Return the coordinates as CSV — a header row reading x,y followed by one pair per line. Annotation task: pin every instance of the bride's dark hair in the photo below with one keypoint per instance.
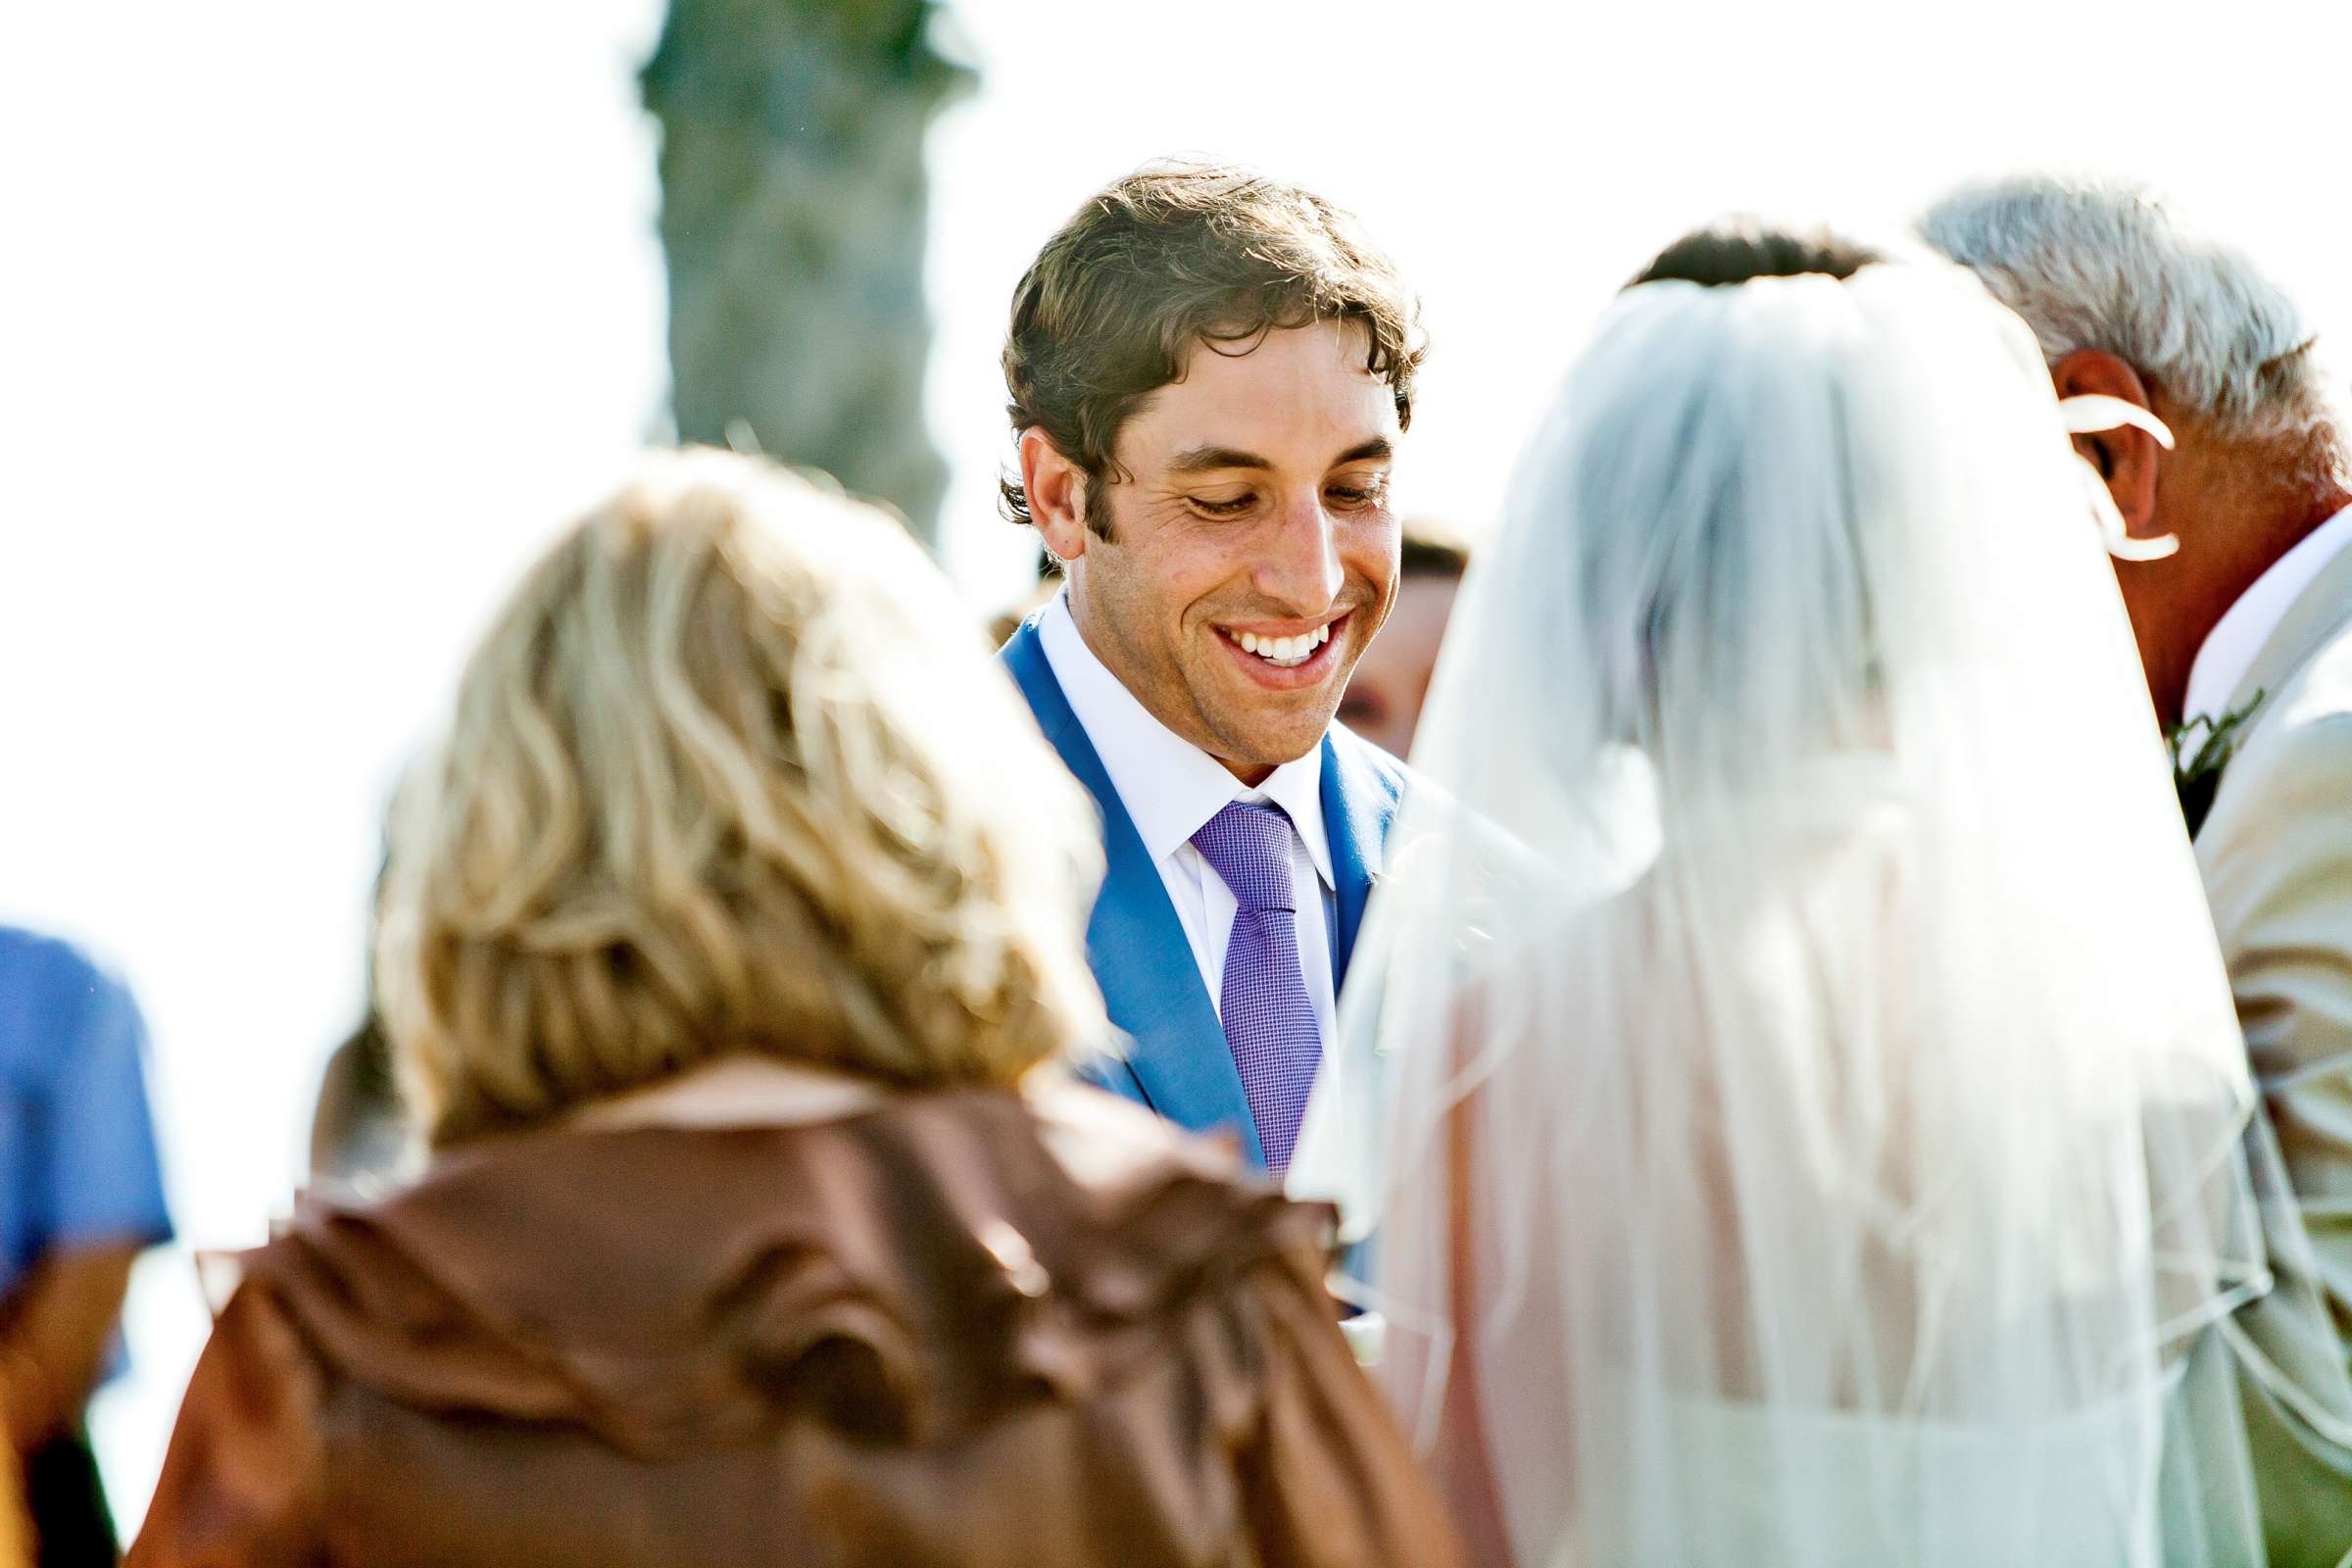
x,y
1736,250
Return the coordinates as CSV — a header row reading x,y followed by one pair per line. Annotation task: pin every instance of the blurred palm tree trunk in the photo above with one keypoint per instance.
x,y
793,209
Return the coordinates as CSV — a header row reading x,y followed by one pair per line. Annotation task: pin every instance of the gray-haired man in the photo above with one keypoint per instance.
x,y
2245,632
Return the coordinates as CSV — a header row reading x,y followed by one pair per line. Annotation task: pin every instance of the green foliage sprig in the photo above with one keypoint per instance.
x,y
2201,748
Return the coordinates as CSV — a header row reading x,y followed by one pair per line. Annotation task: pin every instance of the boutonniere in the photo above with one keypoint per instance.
x,y
2201,748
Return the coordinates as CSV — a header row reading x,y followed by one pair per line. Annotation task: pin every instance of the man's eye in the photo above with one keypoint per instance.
x,y
1223,508
1348,495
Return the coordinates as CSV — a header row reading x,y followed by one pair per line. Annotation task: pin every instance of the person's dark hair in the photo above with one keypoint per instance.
x,y
1174,255
1431,550
1738,250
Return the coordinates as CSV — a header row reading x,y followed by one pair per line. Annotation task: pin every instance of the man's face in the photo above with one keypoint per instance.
x,y
1252,551
1383,697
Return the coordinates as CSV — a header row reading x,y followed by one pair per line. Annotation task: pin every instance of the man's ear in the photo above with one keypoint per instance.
x,y
1056,491
2126,458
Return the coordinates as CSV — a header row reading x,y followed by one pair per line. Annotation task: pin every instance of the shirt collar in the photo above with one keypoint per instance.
x,y
2229,650
1169,786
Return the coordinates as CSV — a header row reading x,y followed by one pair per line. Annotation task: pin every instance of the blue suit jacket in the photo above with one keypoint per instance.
x,y
1177,1060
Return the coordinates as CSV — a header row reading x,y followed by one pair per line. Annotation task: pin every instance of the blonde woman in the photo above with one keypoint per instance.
x,y
726,948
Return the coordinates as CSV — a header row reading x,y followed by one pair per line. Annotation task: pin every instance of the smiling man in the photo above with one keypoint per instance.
x,y
1209,374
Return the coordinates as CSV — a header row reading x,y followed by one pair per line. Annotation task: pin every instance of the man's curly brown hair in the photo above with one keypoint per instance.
x,y
1175,255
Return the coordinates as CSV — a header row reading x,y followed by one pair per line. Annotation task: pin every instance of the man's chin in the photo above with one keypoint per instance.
x,y
1255,745
1261,720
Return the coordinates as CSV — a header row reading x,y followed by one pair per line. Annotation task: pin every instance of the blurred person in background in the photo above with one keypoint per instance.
x,y
81,1196
361,1137
1210,373
729,944
358,1133
1818,1134
2233,480
1383,701
1042,589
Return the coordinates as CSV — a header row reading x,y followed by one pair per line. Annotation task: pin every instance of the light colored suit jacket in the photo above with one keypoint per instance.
x,y
2276,851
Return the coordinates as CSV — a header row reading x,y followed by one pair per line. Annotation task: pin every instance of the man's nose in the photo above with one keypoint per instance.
x,y
1300,569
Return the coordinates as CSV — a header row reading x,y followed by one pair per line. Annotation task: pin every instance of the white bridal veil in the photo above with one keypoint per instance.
x,y
1788,1051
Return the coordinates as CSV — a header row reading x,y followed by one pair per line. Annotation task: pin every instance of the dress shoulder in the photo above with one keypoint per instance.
x,y
938,1255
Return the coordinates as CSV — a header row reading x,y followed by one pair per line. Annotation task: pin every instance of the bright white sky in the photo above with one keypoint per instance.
x,y
318,319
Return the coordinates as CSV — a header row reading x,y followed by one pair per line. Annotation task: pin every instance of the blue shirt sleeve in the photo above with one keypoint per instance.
x,y
99,1177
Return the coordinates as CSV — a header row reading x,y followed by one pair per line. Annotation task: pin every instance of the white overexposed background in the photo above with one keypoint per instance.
x,y
316,321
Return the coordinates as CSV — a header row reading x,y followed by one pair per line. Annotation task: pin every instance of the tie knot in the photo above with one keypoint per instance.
x,y
1250,847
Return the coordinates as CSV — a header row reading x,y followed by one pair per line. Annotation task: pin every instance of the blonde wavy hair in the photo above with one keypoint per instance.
x,y
731,772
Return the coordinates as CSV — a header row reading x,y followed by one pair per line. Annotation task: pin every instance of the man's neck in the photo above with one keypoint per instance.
x,y
2239,544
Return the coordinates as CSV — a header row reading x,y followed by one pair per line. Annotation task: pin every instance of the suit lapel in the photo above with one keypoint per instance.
x,y
2317,613
1361,789
1141,957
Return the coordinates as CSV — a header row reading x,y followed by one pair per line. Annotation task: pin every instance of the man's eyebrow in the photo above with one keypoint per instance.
x,y
1207,459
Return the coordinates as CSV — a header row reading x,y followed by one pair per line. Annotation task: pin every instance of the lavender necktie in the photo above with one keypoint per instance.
x,y
1269,1022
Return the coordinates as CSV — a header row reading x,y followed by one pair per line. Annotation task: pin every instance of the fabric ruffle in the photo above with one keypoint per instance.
x,y
899,1276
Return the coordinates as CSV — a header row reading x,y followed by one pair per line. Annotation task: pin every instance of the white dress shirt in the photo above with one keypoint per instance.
x,y
1171,788
2235,641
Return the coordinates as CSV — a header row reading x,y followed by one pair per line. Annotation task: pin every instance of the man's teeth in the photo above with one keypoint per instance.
x,y
1284,650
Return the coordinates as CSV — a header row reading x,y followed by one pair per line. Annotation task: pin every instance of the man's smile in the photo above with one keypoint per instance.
x,y
1286,656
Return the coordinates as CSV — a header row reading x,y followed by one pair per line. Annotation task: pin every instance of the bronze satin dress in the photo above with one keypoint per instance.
x,y
911,1336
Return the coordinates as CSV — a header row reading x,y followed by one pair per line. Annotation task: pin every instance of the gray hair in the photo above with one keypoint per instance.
x,y
2107,265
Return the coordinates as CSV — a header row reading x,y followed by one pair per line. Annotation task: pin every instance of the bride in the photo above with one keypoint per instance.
x,y
1788,1064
